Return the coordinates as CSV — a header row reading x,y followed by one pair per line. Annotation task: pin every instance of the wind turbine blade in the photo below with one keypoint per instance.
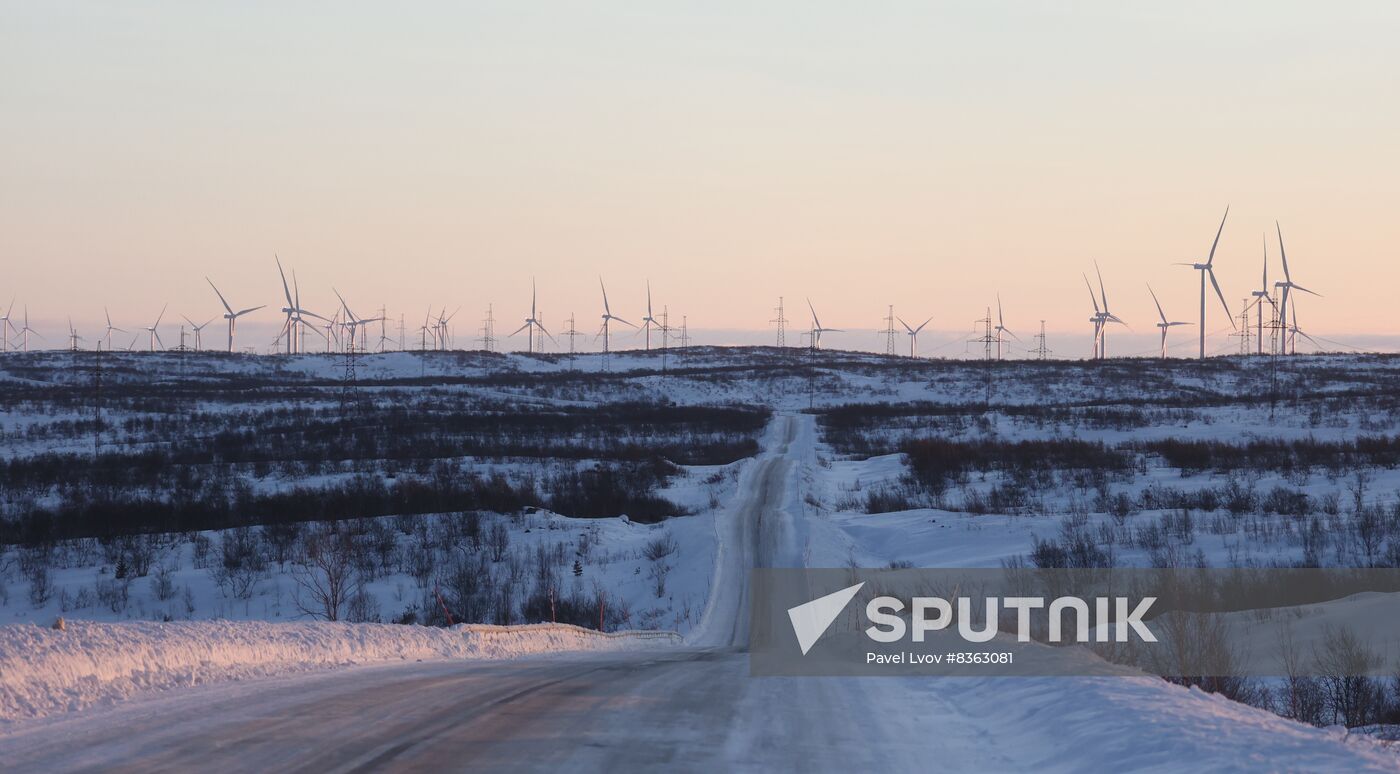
x,y
1000,322
521,328
285,290
158,341
648,299
1221,296
905,324
1218,231
343,305
1282,253
816,322
191,322
162,314
606,309
1008,331
624,322
540,325
1305,290
216,292
250,309
921,327
1102,294
1158,303
1091,293
1265,286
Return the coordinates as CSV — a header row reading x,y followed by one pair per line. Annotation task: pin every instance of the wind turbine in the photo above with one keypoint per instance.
x,y
197,329
1288,284
73,337
110,327
649,321
1262,295
532,322
913,334
1097,319
152,329
1102,317
1001,327
229,314
1206,269
1164,325
608,317
1295,332
353,323
817,329
443,339
293,311
6,326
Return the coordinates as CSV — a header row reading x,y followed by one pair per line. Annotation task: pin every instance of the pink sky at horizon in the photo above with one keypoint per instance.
x,y
925,155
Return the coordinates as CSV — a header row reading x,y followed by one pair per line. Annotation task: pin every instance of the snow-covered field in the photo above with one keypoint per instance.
x,y
841,481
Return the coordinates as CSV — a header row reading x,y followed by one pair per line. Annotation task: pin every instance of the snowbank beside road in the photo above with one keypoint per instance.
x,y
44,671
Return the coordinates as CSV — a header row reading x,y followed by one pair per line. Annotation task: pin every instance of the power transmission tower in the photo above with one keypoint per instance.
x,y
348,392
97,400
889,332
987,339
1244,334
401,339
782,321
1041,351
488,330
572,333
665,334
685,331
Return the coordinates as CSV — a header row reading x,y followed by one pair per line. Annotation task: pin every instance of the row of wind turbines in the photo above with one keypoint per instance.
x,y
349,331
1282,311
344,329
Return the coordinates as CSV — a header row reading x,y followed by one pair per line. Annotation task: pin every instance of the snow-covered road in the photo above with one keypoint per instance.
x,y
687,708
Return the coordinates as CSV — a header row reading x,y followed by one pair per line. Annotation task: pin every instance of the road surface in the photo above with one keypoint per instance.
x,y
693,707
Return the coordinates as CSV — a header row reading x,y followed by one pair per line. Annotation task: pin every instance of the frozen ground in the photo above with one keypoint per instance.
x,y
802,502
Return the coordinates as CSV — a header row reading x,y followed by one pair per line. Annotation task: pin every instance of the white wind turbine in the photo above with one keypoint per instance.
x,y
443,337
817,329
6,326
1287,285
1261,296
1102,317
229,314
913,334
1206,269
26,330
110,327
197,328
352,323
152,329
649,321
1001,327
73,337
1164,325
532,322
294,312
608,317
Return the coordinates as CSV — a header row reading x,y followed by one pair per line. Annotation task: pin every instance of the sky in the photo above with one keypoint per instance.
x,y
928,155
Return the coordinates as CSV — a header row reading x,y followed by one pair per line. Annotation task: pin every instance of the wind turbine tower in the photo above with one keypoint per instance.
x,y
1001,328
913,335
1206,269
1164,324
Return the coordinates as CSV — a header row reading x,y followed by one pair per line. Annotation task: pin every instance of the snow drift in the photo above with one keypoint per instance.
x,y
44,671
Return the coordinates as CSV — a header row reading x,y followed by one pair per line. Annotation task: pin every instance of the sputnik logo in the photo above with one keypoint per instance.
x,y
810,620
